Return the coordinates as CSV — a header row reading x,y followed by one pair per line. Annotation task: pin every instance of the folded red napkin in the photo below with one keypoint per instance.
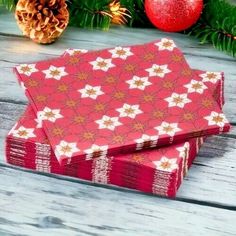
x,y
155,171
120,100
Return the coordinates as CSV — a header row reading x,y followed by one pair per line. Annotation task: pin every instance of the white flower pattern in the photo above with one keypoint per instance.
x,y
66,149
54,72
138,82
129,110
158,70
102,64
90,92
26,69
216,118
178,100
108,122
23,132
48,114
120,52
166,164
195,86
212,77
73,52
166,44
168,128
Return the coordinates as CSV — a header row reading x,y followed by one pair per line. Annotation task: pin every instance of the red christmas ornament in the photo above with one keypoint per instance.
x,y
173,15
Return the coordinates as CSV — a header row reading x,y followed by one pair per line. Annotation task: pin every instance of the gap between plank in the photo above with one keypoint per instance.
x,y
116,188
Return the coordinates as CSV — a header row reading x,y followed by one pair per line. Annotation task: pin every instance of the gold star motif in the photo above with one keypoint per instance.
x,y
148,97
158,70
168,129
32,83
110,79
129,111
49,114
54,72
211,76
73,60
25,69
178,100
158,114
66,149
207,103
91,91
22,133
101,64
108,122
176,58
71,103
130,67
167,84
99,107
217,119
118,139
137,158
41,98
165,165
186,72
167,44
62,88
148,56
81,76
88,135
57,131
138,83
79,119
76,53
119,95
137,126
120,52
188,116
197,86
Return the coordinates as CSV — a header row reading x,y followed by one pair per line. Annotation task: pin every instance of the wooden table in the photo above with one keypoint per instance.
x,y
40,204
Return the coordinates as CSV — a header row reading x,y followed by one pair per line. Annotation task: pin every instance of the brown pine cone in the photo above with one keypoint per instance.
x,y
42,20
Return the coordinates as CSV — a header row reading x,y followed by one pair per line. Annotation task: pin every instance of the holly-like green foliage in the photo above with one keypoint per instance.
x,y
217,25
87,13
9,4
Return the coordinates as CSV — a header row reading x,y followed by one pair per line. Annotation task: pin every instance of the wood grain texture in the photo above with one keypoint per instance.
x,y
34,204
47,209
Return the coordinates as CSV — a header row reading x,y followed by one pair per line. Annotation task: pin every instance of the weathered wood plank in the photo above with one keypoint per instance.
x,y
42,206
108,38
211,175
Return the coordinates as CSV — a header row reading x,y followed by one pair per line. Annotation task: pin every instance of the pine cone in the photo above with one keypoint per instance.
x,y
42,20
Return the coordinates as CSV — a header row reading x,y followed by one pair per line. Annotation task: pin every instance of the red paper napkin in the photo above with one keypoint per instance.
x,y
156,171
120,100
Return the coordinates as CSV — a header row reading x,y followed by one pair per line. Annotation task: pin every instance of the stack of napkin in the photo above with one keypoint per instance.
x,y
131,116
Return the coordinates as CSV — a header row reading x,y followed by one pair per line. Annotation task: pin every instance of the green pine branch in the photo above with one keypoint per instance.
x,y
138,15
87,13
9,4
217,25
